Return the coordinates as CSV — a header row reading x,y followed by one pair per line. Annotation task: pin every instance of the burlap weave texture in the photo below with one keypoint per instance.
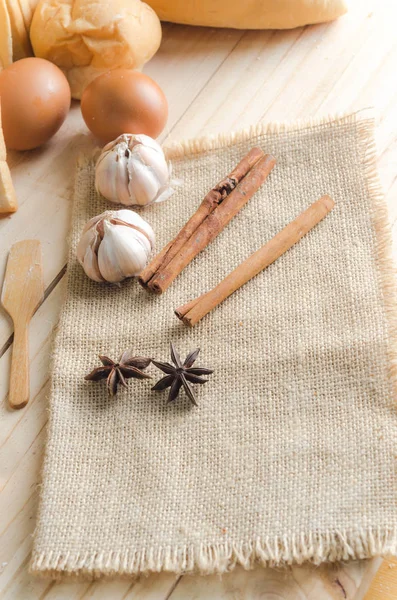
x,y
290,455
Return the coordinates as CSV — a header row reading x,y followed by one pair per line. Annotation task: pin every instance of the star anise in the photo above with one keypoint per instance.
x,y
180,375
117,373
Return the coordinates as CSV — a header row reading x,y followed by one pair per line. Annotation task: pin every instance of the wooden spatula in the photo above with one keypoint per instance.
x,y
23,290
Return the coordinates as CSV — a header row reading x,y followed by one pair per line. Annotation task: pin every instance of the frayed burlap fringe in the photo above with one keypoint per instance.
x,y
273,551
387,271
182,148
220,558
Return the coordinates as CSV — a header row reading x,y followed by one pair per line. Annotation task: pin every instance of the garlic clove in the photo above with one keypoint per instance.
x,y
86,239
86,254
132,218
120,182
143,185
146,141
111,177
155,160
132,265
90,266
122,253
90,224
107,261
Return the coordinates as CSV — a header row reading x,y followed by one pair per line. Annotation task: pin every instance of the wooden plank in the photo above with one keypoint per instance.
x,y
154,587
369,574
297,583
43,184
21,505
384,586
23,424
204,50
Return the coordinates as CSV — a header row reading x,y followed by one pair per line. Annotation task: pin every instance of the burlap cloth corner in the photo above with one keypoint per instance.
x,y
290,456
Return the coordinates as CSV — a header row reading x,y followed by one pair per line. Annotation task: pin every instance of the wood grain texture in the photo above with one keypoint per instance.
x,y
298,583
384,586
215,80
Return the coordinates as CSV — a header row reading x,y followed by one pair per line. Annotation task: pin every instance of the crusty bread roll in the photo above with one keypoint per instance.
x,y
15,19
19,31
5,36
88,37
249,14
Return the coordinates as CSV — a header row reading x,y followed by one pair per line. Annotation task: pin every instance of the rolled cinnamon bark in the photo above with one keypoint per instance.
x,y
196,309
207,206
214,223
151,269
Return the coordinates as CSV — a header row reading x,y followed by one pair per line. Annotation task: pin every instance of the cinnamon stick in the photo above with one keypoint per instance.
x,y
207,206
196,309
151,269
213,224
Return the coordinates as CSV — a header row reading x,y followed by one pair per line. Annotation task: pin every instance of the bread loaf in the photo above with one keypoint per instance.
x,y
19,31
5,36
8,199
88,37
249,14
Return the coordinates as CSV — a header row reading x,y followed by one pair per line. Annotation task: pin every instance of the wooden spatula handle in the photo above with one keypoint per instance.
x,y
18,395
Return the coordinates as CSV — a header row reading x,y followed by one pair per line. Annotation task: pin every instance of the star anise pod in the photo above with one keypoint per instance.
x,y
117,373
180,375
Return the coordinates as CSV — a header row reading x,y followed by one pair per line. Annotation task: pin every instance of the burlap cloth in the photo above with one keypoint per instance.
x,y
291,454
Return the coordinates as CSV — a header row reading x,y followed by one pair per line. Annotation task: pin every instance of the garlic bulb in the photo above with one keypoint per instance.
x,y
115,245
132,170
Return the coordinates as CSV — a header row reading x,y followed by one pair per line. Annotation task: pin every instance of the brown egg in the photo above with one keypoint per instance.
x,y
124,101
35,99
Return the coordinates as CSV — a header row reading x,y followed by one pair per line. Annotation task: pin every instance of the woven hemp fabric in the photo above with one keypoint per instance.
x,y
290,455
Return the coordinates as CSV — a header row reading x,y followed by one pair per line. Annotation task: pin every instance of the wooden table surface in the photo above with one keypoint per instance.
x,y
215,80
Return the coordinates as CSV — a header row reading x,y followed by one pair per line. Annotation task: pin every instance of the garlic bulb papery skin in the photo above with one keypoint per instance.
x,y
132,170
115,245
